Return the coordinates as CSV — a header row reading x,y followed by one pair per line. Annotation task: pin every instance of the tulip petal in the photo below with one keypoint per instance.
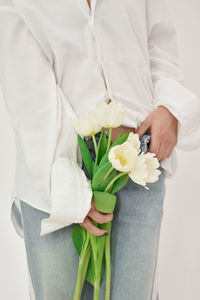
x,y
87,124
110,114
123,157
133,138
139,173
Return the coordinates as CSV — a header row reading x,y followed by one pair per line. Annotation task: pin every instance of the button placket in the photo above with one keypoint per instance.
x,y
100,57
103,71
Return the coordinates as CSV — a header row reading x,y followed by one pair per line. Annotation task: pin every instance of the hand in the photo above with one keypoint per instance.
x,y
163,126
98,217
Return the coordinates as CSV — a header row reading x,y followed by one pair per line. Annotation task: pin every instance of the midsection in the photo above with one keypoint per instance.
x,y
116,131
71,46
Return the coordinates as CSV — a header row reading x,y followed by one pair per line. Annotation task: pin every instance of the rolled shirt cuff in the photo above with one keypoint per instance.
x,y
71,195
185,106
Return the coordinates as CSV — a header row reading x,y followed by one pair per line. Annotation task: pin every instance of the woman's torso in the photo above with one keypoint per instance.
x,y
96,53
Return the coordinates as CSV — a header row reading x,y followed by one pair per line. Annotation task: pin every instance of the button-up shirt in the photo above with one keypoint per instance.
x,y
57,60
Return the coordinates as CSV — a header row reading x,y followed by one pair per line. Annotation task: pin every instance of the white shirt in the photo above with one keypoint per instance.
x,y
58,60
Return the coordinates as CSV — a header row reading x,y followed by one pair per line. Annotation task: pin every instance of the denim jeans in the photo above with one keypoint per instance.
x,y
53,261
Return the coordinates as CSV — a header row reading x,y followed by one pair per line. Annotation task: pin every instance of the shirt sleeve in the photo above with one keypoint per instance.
x,y
168,80
37,115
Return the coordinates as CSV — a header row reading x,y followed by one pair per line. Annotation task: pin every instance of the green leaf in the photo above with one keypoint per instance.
x,y
86,156
121,139
121,133
101,149
78,236
96,263
104,202
90,271
97,259
104,183
100,174
104,160
102,145
119,183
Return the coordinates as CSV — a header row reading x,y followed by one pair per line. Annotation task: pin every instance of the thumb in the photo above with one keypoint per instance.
x,y
142,128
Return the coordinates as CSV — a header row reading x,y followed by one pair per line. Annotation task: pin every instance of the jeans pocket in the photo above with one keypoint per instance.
x,y
145,141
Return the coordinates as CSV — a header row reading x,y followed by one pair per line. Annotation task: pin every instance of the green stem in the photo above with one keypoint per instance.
x,y
82,269
114,179
98,246
104,178
109,138
96,286
95,143
108,261
98,253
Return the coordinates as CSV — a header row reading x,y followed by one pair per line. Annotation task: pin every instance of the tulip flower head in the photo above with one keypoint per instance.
x,y
123,157
87,124
145,170
141,168
110,115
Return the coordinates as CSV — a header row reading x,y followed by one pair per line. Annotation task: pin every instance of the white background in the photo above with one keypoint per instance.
x,y
179,261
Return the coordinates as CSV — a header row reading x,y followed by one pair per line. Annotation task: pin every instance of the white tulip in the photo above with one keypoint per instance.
x,y
87,124
145,169
123,157
133,138
110,115
152,165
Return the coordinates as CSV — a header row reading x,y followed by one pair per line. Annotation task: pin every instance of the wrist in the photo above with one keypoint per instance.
x,y
164,108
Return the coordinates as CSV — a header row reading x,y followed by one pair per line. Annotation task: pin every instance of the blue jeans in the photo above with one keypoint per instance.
x,y
53,261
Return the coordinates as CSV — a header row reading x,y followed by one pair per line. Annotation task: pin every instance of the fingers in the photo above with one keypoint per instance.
x,y
161,145
92,228
154,145
163,126
162,152
167,152
99,217
143,128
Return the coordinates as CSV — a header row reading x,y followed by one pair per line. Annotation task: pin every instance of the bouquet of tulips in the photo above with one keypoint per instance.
x,y
114,163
